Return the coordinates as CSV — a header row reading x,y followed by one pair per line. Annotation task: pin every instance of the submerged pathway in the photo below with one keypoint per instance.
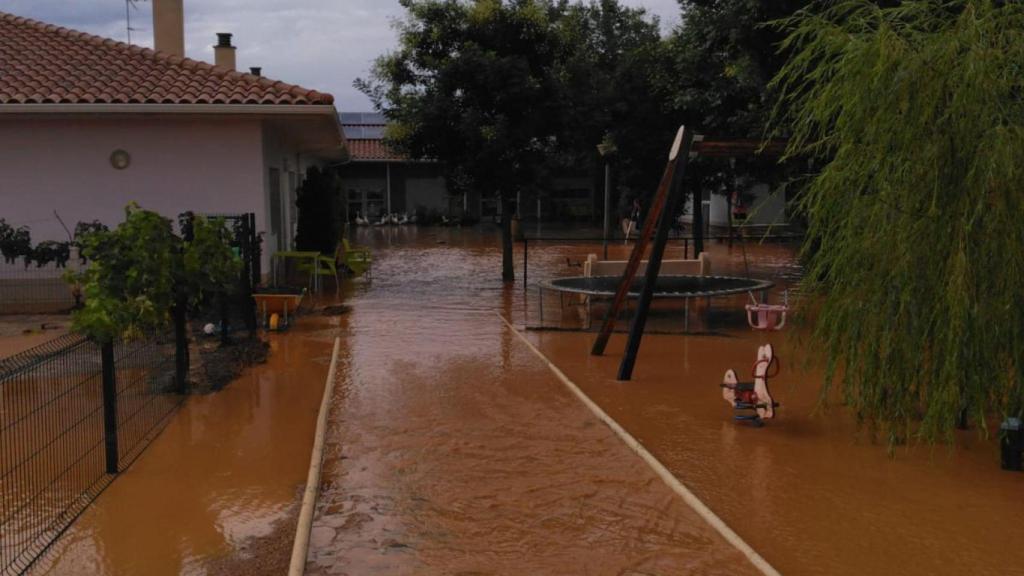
x,y
452,449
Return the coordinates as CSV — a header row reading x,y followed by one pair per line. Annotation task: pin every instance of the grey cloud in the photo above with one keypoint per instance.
x,y
320,44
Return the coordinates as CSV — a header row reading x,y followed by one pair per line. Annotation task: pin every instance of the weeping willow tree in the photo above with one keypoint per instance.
x,y
916,218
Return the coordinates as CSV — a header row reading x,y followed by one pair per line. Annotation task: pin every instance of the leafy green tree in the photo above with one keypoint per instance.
x,y
129,284
135,269
209,265
915,241
724,56
610,69
474,85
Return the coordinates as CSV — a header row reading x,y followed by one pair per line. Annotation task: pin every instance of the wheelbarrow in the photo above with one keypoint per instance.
x,y
276,306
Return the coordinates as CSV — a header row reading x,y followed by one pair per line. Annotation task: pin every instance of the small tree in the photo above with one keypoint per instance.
x,y
135,269
915,243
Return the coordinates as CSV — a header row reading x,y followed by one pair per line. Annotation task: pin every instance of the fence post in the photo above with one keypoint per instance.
x,y
180,341
109,406
526,261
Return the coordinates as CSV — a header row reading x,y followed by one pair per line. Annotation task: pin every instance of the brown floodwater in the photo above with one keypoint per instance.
x,y
453,450
220,484
810,492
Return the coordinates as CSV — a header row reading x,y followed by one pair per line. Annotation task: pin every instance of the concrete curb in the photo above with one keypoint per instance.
x,y
300,548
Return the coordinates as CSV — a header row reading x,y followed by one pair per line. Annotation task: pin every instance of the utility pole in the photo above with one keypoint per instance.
x,y
607,150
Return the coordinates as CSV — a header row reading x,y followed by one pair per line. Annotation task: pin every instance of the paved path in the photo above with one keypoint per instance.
x,y
453,450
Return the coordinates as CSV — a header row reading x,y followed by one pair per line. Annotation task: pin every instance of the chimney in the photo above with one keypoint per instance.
x,y
224,52
169,26
256,71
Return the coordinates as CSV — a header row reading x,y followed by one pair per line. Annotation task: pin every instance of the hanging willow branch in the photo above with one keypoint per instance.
x,y
916,222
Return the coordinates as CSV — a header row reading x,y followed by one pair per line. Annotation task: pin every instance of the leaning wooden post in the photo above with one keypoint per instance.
x,y
608,326
636,331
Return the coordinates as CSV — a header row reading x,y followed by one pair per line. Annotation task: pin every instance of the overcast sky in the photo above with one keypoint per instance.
x,y
320,44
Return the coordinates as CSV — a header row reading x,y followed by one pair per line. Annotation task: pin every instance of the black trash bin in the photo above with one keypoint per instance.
x,y
1012,432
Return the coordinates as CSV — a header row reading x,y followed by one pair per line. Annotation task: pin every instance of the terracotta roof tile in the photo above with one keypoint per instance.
x,y
372,151
41,64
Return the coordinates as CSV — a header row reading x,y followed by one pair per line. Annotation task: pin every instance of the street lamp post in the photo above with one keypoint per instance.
x,y
607,150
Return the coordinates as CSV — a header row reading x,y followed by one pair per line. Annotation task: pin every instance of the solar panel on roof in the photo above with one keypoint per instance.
x,y
362,118
364,132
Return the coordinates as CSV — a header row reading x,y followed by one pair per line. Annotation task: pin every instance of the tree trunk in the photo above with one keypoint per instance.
x,y
507,271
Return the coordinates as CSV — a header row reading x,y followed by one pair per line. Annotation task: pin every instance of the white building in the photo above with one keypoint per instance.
x,y
89,124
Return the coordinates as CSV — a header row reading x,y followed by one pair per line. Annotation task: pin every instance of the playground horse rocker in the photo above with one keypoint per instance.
x,y
765,316
751,400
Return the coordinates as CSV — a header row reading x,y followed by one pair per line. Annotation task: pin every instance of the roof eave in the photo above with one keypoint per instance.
x,y
251,109
257,111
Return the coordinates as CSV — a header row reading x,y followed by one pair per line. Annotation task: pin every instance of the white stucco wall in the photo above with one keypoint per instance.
x,y
290,166
208,165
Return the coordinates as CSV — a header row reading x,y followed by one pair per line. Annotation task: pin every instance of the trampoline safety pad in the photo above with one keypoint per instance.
x,y
668,286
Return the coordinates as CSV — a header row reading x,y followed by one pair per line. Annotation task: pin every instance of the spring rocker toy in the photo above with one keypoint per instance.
x,y
751,400
765,316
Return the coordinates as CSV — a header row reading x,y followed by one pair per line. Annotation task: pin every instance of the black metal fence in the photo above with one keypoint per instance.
x,y
73,414
234,313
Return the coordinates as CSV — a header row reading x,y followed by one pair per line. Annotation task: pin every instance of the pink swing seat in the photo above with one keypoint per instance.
x,y
764,316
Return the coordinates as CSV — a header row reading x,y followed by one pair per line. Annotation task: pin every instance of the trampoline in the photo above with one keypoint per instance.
x,y
666,286
681,287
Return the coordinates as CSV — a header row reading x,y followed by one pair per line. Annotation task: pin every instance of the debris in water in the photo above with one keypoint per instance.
x,y
338,310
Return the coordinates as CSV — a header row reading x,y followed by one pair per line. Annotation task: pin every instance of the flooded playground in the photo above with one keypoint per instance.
x,y
453,449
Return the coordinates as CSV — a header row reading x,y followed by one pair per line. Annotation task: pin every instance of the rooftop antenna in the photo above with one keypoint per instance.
x,y
130,5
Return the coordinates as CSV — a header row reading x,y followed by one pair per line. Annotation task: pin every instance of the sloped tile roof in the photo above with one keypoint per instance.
x,y
45,64
363,150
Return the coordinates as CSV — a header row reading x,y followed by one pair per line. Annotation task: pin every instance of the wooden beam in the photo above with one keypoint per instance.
x,y
636,331
653,215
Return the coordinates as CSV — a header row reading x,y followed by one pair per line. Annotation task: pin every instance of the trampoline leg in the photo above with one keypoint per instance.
x,y
686,316
540,300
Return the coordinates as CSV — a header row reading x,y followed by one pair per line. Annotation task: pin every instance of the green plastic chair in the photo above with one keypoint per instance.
x,y
358,259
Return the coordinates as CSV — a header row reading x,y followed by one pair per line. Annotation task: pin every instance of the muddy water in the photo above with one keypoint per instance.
x,y
219,485
453,450
809,491
413,491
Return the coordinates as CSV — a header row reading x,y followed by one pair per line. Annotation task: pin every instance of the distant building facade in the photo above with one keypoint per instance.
x,y
378,181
